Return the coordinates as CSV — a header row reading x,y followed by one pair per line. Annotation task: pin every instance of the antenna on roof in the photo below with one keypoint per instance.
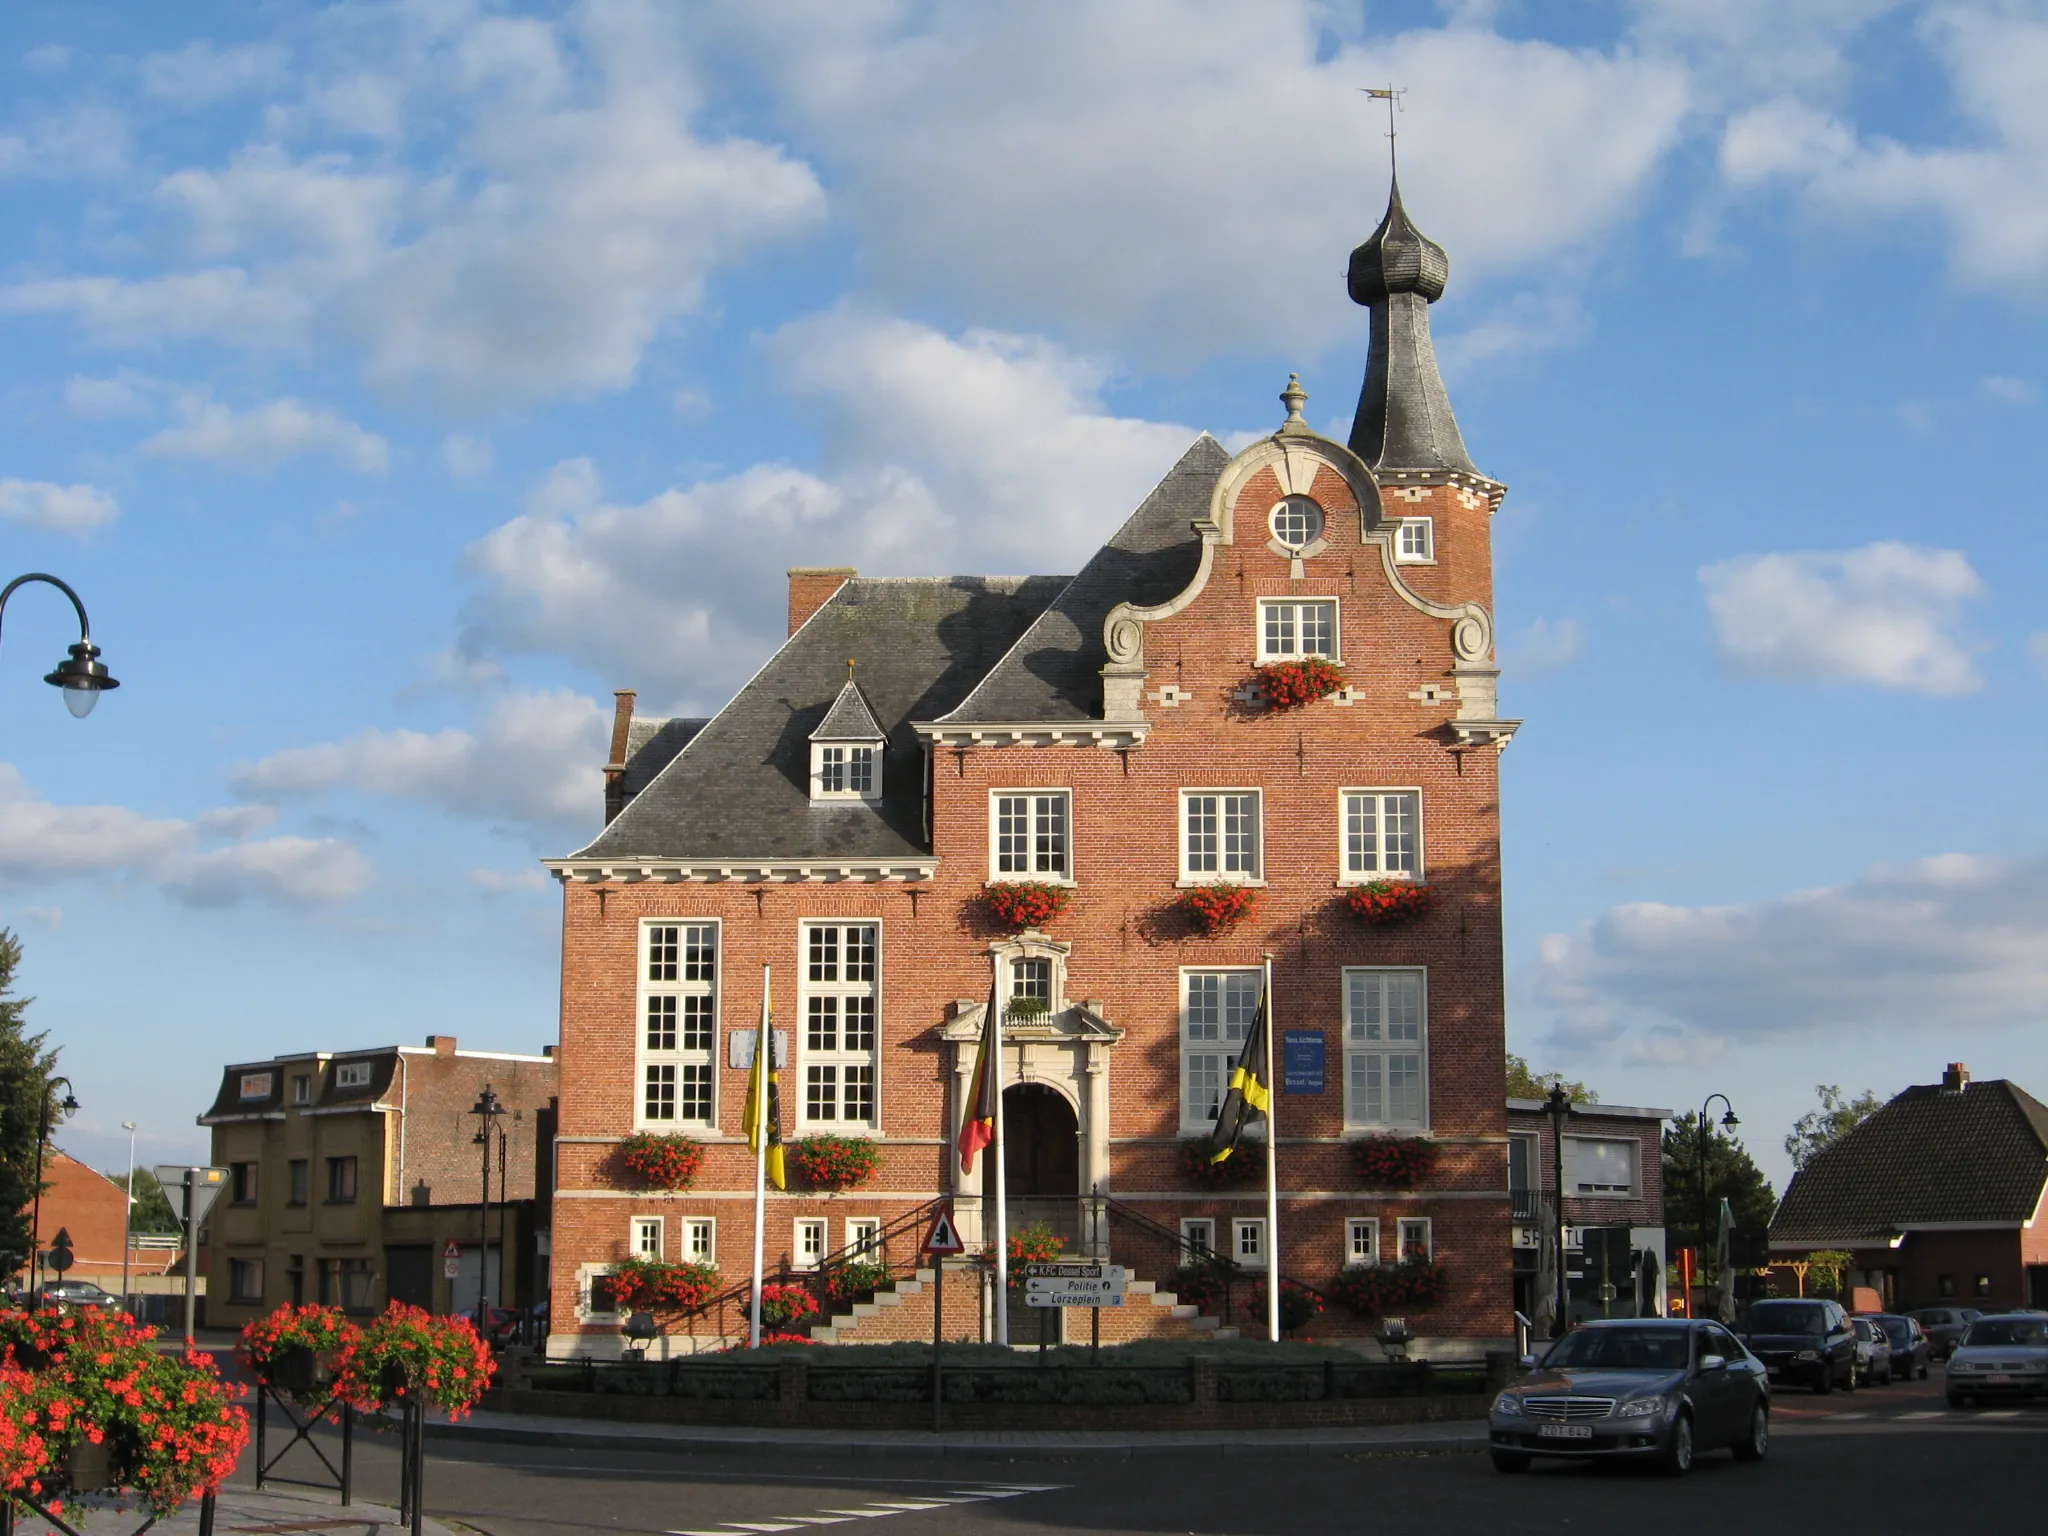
x,y
1391,95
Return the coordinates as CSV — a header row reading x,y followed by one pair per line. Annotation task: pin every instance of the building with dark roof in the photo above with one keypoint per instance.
x,y
833,845
1938,1195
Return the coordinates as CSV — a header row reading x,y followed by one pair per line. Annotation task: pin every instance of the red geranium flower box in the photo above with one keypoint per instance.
x,y
661,1161
1392,1162
1026,903
1291,684
1219,907
1387,901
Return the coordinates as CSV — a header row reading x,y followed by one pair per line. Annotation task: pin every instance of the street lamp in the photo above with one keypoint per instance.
x,y
487,1111
81,675
70,1107
128,1215
1559,1107
1729,1122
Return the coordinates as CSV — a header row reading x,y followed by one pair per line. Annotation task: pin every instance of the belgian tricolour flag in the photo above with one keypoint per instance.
x,y
1249,1094
978,1123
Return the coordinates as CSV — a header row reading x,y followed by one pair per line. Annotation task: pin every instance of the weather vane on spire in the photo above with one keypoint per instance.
x,y
1391,95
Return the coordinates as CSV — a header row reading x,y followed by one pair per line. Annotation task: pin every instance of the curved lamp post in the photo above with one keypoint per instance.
x,y
70,1107
488,1109
81,675
1559,1107
1728,1122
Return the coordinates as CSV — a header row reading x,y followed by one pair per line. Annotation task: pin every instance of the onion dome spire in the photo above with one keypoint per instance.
x,y
1404,419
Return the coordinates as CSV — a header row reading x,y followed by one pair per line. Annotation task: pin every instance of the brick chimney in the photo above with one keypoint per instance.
x,y
615,765
811,588
443,1045
1956,1078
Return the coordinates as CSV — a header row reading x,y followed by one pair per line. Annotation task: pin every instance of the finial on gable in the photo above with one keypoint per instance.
x,y
1294,397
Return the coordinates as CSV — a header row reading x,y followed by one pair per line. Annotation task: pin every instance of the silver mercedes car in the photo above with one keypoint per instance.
x,y
1656,1389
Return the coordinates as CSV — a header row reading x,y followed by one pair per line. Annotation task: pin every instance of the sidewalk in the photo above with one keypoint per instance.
x,y
244,1510
491,1428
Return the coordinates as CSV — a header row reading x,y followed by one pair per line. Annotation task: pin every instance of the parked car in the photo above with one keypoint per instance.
x,y
79,1293
1945,1327
1655,1389
1910,1350
2003,1355
1808,1341
1873,1352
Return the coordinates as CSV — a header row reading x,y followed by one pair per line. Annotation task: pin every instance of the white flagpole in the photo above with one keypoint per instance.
x,y
764,1040
1272,1171
996,1152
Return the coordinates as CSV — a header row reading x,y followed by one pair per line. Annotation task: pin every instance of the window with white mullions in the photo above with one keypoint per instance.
x,y
846,771
1362,1240
1029,838
1031,976
1382,834
679,1023
841,1009
1217,1009
1220,834
1417,1244
1386,1049
1416,539
1289,631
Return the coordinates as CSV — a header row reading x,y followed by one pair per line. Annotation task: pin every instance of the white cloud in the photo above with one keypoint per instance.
x,y
199,72
84,141
72,509
1184,177
264,436
42,843
2011,391
466,456
1958,938
989,452
1886,614
106,399
533,758
1546,646
499,882
2037,650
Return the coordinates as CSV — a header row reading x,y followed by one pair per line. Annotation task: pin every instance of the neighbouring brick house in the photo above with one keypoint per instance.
x,y
351,1173
1938,1196
1613,1205
92,1210
915,741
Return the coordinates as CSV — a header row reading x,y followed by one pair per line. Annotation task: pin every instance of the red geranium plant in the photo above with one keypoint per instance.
x,y
1219,906
654,1285
833,1163
1199,1167
286,1348
1034,1244
1392,1162
1299,1306
1026,903
1373,1290
782,1305
1387,901
661,1161
409,1352
1291,684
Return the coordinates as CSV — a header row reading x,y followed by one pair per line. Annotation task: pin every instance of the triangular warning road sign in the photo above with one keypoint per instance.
x,y
944,1237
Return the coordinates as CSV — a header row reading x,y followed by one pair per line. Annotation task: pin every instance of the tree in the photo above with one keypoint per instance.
x,y
153,1213
1731,1175
25,1101
1825,1126
1524,1084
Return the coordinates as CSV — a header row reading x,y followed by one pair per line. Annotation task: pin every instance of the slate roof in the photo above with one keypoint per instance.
x,y
740,788
849,718
651,745
1930,1155
1054,673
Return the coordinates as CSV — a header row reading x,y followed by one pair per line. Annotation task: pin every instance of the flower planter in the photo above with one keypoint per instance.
x,y
831,1164
301,1372
661,1161
1291,684
1218,908
1241,1167
1388,901
1299,1306
1392,1162
89,1467
1017,904
1374,1290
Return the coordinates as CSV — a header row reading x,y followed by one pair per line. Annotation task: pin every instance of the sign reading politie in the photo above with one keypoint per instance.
x,y
1075,1285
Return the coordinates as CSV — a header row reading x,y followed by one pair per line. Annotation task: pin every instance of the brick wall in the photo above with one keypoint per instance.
x,y
1643,1209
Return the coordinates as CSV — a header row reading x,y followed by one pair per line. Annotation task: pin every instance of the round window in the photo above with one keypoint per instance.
x,y
1297,522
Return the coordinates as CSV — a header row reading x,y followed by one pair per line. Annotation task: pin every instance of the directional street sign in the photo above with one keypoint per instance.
x,y
944,1237
1075,1285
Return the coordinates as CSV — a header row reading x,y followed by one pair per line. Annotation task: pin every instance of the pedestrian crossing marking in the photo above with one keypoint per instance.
x,y
880,1508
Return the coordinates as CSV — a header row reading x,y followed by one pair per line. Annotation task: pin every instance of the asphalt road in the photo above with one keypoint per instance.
x,y
1882,1459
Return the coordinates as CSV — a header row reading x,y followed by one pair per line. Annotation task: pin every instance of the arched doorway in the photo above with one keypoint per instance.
x,y
1042,1179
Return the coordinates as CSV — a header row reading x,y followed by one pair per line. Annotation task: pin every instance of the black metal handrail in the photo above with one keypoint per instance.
x,y
1181,1252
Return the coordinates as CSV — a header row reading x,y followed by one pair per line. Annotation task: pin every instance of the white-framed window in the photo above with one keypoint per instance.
x,y
1416,1242
863,1233
841,996
302,1089
1599,1165
678,1023
1219,834
352,1074
700,1239
1248,1240
1031,976
1217,1009
1296,521
809,1250
1386,1049
255,1085
596,1300
646,1238
1524,1172
1415,541
846,771
1030,834
1197,1237
1290,629
1382,834
1362,1240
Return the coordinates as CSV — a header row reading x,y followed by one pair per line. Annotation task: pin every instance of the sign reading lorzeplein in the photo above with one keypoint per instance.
x,y
1075,1285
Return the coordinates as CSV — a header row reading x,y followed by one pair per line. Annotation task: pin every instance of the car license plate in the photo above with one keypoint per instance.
x,y
1998,1381
1773,1371
1564,1431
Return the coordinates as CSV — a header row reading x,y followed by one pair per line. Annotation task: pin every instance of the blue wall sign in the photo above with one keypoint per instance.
x,y
1304,1060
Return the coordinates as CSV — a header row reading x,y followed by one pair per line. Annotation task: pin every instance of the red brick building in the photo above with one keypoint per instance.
x,y
1613,1180
914,741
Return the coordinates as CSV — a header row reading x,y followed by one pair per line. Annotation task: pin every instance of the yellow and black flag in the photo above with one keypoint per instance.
x,y
764,1105
1249,1094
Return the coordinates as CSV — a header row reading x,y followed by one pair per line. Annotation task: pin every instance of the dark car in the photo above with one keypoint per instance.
x,y
1809,1342
79,1293
1654,1389
1944,1327
1910,1350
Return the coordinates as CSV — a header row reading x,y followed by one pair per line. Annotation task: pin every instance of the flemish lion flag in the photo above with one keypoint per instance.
x,y
978,1125
1249,1094
757,1093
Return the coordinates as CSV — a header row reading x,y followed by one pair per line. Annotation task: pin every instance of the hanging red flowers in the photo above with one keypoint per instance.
x,y
661,1161
1374,1290
1388,901
1392,1162
833,1163
1219,907
1020,904
1291,684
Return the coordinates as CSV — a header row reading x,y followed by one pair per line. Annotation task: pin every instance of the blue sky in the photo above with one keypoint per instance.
x,y
394,380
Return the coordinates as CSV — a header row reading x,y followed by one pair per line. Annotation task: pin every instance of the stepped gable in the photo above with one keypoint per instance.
x,y
1054,673
739,788
1934,1154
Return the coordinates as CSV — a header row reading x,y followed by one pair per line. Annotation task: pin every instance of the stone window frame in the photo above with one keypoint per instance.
x,y
800,1229
1240,1228
846,767
1367,1254
1405,1226
693,1229
1346,875
840,1058
674,989
639,1229
1189,875
1065,874
1354,1119
1306,600
1192,1124
1423,549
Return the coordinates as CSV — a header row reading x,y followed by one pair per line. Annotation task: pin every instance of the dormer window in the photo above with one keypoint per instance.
x,y
846,749
845,773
